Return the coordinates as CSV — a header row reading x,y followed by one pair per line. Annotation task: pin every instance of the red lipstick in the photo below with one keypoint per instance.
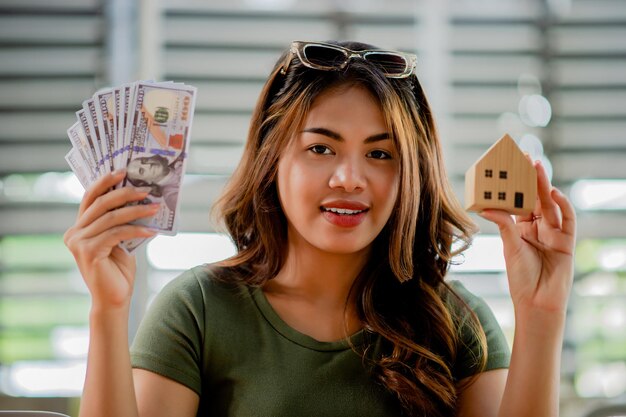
x,y
344,213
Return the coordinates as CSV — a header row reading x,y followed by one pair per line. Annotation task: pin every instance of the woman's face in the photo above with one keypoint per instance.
x,y
147,170
338,178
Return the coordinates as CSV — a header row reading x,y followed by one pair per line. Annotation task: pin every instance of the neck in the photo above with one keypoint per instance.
x,y
311,292
318,276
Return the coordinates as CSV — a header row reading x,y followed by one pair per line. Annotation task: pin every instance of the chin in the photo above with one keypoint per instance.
x,y
344,248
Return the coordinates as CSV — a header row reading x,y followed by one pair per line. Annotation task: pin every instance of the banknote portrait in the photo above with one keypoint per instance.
x,y
163,177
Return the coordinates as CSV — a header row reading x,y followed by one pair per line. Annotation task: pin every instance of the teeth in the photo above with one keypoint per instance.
x,y
343,211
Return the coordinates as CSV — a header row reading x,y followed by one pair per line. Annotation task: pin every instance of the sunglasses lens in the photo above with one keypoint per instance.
x,y
324,56
388,63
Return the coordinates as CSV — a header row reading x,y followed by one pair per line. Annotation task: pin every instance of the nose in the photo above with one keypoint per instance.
x,y
348,174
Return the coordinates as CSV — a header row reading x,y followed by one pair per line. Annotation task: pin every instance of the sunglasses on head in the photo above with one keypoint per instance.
x,y
329,57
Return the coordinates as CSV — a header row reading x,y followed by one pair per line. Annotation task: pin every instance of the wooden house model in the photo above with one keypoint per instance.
x,y
503,178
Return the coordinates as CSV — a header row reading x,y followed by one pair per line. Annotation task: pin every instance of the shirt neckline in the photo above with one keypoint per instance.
x,y
296,336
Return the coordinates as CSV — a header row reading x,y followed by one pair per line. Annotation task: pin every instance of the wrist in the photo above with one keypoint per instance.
x,y
107,312
546,324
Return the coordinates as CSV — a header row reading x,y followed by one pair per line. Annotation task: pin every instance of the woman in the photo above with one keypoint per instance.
x,y
335,303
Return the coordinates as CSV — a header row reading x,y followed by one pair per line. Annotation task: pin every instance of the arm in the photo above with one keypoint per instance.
x,y
109,273
482,396
531,384
161,396
538,250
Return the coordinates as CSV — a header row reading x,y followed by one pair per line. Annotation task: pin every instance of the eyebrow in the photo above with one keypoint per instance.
x,y
336,136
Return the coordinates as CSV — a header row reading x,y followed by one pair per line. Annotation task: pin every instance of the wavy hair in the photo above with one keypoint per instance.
x,y
401,293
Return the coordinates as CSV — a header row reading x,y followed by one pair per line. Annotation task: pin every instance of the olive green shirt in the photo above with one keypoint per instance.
x,y
227,344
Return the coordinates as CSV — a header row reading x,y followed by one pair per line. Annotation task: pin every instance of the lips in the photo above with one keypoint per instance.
x,y
344,213
345,204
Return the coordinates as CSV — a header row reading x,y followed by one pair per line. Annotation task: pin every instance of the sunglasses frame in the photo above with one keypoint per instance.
x,y
298,48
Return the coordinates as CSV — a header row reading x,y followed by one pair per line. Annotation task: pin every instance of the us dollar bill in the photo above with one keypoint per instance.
x,y
145,128
116,123
81,170
94,146
162,118
84,152
103,103
123,141
91,116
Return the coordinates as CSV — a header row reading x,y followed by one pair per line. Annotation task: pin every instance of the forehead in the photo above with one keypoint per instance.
x,y
344,89
139,162
346,103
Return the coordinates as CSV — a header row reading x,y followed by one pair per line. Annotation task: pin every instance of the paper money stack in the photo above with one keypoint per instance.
x,y
143,127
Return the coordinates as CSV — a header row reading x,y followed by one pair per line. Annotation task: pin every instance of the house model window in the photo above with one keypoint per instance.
x,y
517,178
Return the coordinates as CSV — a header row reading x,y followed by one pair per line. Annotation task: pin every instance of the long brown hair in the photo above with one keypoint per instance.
x,y
401,293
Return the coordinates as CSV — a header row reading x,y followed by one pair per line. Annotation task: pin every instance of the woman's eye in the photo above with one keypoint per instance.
x,y
379,154
320,149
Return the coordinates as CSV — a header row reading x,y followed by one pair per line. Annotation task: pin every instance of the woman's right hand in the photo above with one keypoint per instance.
x,y
102,223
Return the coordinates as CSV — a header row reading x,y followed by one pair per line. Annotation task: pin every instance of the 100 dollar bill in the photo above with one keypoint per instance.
x,y
162,114
143,127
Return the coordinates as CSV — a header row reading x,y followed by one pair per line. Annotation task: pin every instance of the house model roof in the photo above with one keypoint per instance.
x,y
503,178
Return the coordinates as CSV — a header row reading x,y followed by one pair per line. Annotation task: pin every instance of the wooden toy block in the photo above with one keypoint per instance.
x,y
503,178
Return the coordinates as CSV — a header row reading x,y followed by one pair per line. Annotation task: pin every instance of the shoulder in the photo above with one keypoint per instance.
x,y
202,291
201,301
464,306
206,282
198,298
459,293
462,301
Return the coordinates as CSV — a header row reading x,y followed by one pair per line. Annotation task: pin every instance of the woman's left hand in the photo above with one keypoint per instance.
x,y
539,249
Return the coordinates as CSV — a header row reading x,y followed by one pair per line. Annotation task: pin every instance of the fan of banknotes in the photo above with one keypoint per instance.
x,y
143,127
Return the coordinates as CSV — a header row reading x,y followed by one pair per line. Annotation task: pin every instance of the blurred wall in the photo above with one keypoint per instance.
x,y
551,73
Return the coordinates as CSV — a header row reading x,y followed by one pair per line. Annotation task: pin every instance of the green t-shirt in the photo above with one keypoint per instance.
x,y
228,345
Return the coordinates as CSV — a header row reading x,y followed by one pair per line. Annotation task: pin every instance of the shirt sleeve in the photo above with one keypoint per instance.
x,y
468,356
169,339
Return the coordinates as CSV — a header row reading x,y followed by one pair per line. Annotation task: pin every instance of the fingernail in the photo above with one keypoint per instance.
x,y
118,172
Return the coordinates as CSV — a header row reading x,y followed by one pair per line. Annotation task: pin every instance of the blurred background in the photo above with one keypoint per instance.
x,y
552,73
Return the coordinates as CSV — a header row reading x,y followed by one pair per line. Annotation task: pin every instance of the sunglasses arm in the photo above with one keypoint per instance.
x,y
286,63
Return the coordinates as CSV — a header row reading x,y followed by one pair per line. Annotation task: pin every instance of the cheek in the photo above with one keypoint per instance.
x,y
134,174
392,200
388,186
291,185
297,177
